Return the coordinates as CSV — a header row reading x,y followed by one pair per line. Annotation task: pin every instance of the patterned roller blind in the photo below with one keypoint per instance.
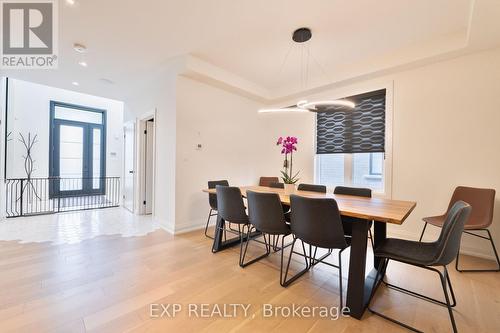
x,y
362,130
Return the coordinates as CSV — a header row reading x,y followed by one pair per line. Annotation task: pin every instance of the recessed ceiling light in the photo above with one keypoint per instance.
x,y
70,2
83,63
75,83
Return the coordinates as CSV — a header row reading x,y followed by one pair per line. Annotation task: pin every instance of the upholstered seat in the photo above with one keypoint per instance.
x,y
408,251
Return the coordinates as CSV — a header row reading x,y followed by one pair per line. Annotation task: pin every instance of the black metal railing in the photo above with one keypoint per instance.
x,y
35,196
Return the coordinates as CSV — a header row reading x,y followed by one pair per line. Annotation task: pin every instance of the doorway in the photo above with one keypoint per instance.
x,y
146,164
149,166
77,155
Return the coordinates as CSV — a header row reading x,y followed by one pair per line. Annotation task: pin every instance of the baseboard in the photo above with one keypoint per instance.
x,y
185,229
165,225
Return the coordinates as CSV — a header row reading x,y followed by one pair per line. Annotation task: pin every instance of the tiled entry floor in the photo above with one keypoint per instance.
x,y
74,227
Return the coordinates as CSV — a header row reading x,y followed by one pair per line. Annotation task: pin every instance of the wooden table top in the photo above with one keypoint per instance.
x,y
377,209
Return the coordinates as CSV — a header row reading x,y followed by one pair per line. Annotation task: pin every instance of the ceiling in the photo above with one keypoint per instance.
x,y
129,41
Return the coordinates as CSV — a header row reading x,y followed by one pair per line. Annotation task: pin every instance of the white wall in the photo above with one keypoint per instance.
x,y
238,145
447,133
29,111
159,94
3,86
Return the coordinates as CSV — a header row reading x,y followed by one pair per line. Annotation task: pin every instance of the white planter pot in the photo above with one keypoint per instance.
x,y
289,188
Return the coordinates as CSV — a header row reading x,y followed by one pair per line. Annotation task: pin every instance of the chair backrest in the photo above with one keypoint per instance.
x,y
266,181
448,243
231,206
482,201
317,221
212,198
354,191
266,213
277,185
312,188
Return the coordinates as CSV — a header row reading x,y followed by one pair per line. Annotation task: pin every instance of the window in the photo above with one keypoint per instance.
x,y
350,144
77,154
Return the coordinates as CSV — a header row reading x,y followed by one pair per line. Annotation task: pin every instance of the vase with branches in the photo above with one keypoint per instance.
x,y
29,189
288,147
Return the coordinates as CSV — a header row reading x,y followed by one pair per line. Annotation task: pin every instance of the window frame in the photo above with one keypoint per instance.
x,y
54,188
386,192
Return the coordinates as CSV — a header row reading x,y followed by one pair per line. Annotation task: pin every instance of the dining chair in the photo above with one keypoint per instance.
x,y
312,188
266,181
427,256
347,220
266,215
316,222
212,201
482,202
277,185
232,210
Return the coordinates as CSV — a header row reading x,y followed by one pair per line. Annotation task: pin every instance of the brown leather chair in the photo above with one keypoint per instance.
x,y
266,181
482,202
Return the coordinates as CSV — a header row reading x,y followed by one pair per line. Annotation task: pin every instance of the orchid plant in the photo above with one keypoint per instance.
x,y
288,146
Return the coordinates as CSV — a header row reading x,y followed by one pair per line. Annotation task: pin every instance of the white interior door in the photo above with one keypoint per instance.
x,y
129,161
150,128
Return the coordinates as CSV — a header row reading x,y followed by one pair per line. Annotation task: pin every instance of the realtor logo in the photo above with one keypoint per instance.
x,y
29,34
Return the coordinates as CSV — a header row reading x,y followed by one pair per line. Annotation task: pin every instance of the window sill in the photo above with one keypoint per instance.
x,y
373,177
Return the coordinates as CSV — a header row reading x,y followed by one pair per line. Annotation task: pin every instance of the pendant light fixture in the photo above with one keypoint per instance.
x,y
301,36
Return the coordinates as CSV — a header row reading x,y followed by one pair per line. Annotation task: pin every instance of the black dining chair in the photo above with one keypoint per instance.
x,y
312,188
276,185
316,222
232,210
266,215
212,201
347,221
427,256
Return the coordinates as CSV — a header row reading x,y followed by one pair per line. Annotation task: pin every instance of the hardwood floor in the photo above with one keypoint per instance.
x,y
107,283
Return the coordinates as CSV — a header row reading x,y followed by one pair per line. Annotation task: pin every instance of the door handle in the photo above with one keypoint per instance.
x,y
131,171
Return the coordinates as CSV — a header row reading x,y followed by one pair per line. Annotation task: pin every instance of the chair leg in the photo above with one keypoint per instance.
x,y
423,231
424,297
285,282
244,252
341,290
445,282
282,282
370,235
208,221
490,238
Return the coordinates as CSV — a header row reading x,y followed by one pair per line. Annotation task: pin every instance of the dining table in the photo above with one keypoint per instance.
x,y
381,211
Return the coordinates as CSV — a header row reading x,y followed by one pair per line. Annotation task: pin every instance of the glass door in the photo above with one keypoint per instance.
x,y
70,157
77,161
77,157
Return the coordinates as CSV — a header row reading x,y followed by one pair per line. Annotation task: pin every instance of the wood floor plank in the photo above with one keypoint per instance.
x,y
107,283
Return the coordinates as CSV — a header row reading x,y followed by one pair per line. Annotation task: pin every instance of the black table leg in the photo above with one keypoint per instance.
x,y
219,225
357,265
360,287
380,230
220,245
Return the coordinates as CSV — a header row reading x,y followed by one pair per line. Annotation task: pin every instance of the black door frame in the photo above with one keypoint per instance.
x,y
54,171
